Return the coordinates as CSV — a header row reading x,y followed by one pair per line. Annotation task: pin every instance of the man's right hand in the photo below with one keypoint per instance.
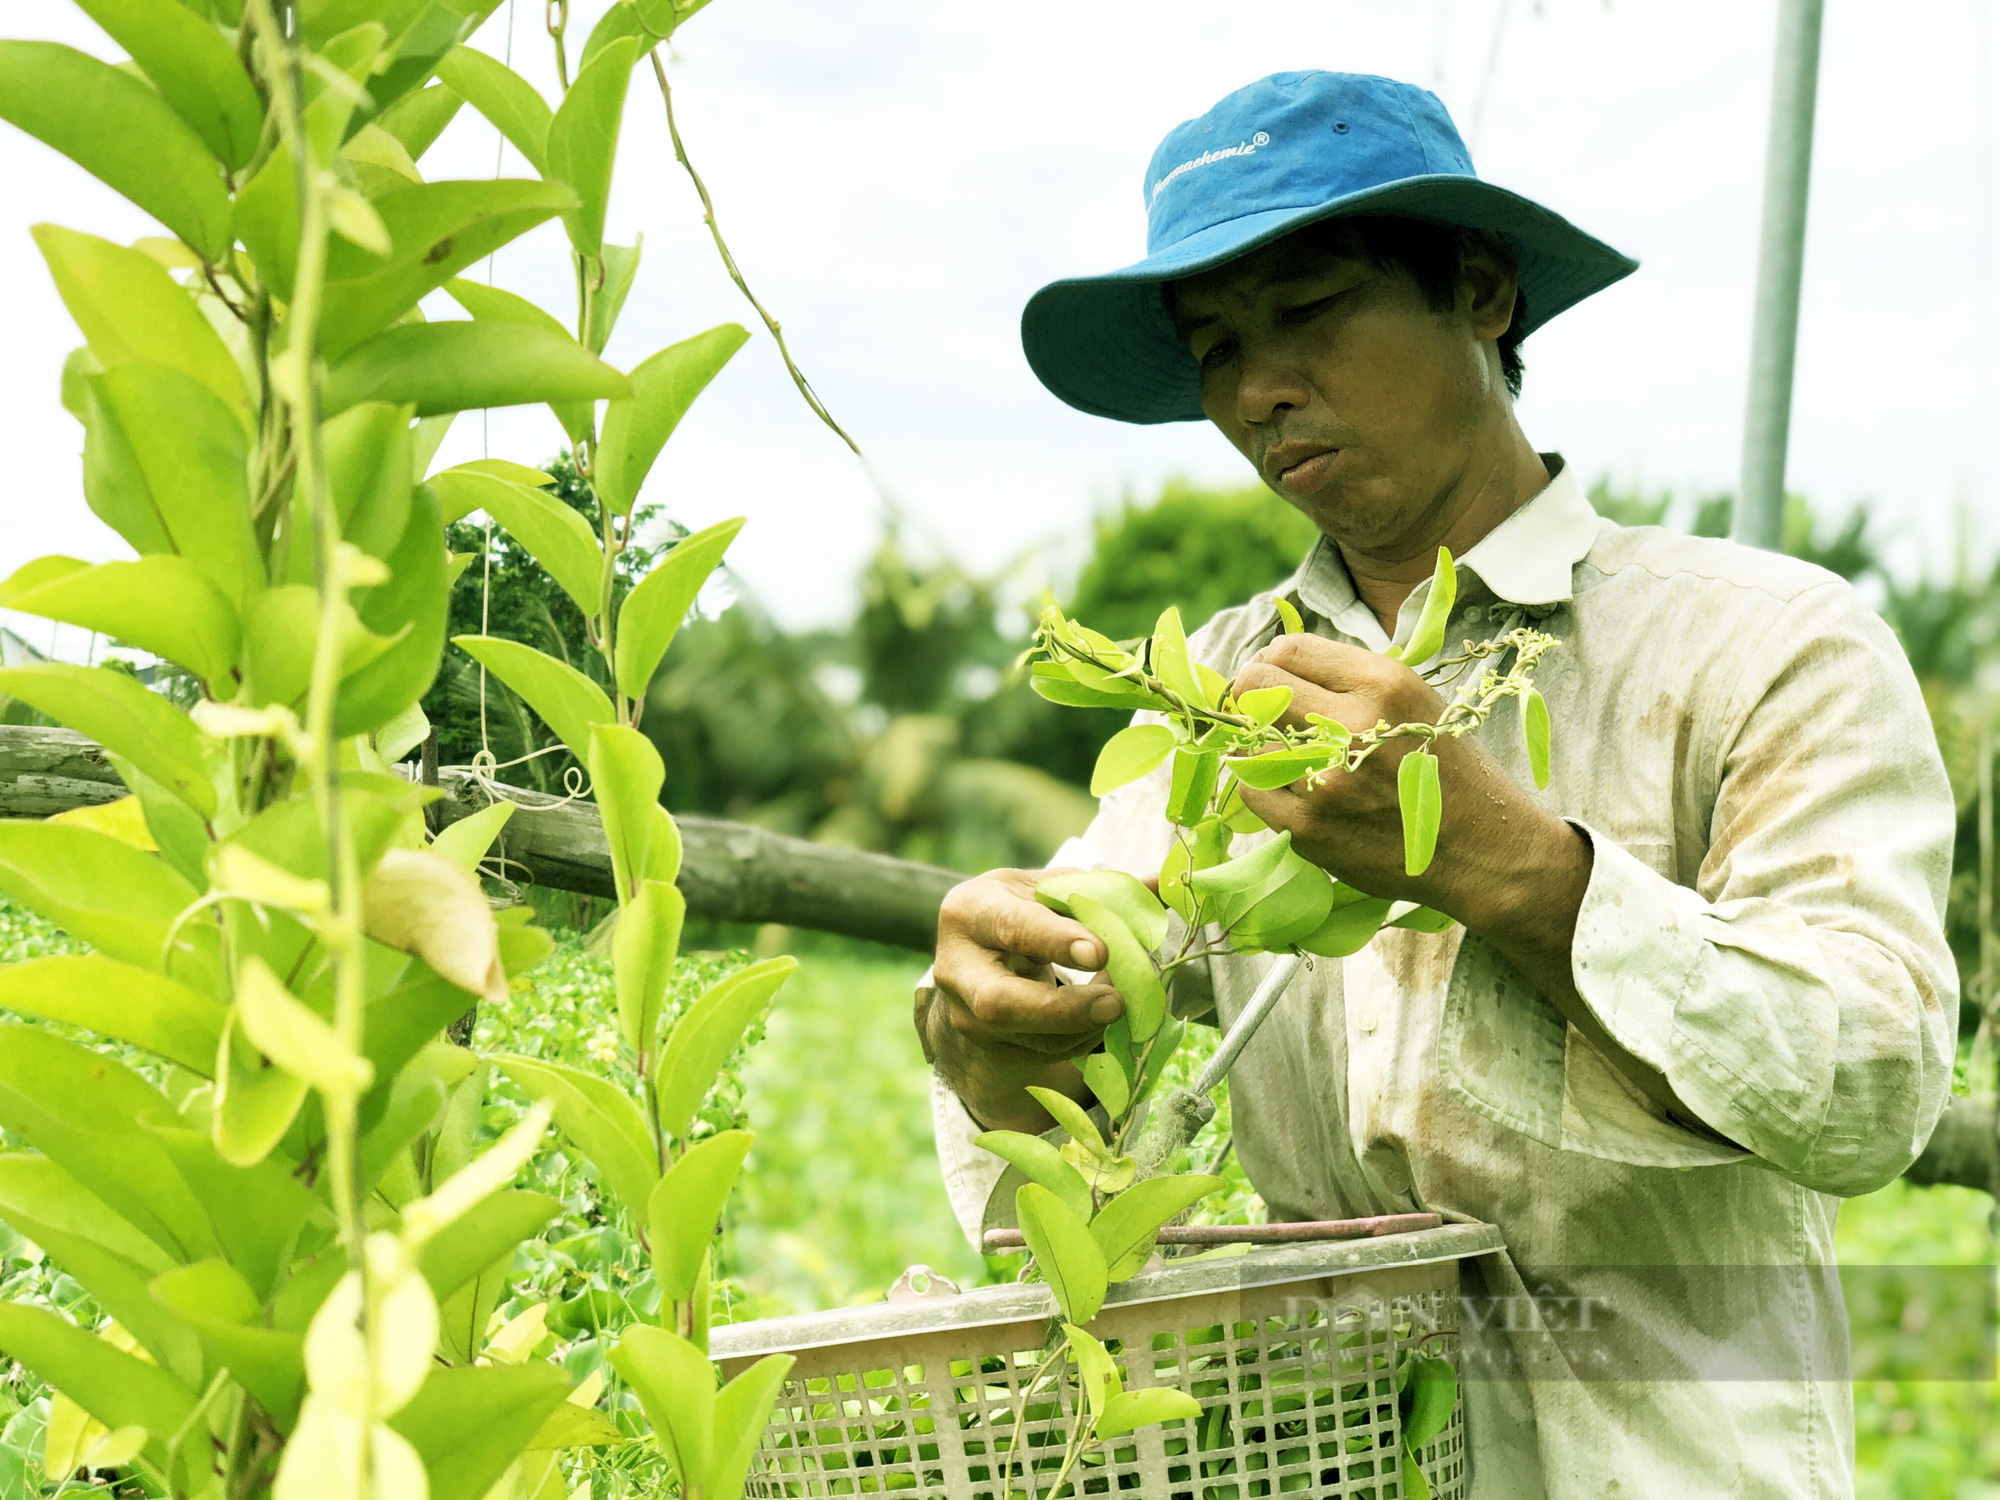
x,y
999,1018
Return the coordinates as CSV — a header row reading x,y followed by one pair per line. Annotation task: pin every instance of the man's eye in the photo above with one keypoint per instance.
x,y
1216,353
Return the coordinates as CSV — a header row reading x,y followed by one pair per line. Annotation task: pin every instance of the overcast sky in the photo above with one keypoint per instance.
x,y
896,177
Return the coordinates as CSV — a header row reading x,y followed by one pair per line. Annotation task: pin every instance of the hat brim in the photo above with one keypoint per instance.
x,y
1106,345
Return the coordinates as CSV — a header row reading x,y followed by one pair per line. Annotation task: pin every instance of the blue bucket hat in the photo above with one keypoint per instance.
x,y
1286,151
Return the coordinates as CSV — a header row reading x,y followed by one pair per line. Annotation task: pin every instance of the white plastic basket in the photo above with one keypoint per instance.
x,y
1292,1353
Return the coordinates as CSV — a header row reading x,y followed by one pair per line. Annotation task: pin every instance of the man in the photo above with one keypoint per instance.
x,y
1700,991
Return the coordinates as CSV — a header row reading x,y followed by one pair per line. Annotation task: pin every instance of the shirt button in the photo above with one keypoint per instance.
x,y
1474,614
1366,1020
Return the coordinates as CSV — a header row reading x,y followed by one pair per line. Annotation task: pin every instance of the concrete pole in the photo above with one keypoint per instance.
x,y
1760,493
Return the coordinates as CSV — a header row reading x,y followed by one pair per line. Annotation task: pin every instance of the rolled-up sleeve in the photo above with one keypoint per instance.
x,y
1800,999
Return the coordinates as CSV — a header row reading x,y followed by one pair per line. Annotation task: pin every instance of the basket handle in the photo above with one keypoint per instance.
x,y
921,1284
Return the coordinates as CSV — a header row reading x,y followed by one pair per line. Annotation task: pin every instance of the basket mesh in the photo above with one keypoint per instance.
x,y
1296,1382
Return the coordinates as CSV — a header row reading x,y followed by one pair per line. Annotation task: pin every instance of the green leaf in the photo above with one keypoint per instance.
x,y
119,130
573,1426
1535,729
663,847
107,894
1143,1408
1170,660
119,1002
1073,1117
1080,685
416,1101
1166,1042
419,117
296,1037
162,604
742,1411
280,633
212,1298
1123,895
440,367
686,1207
644,947
117,1388
620,265
131,309
1230,889
1106,1173
1294,909
437,229
568,702
1415,918
1129,754
707,1032
626,775
663,388
1126,1227
675,1385
1130,965
255,1215
489,304
1422,807
1429,1396
254,1102
81,1109
583,140
489,1230
652,613
124,715
469,1423
1096,1371
555,534
1206,846
1266,704
509,102
408,610
1068,1257
1415,1485
1427,637
107,1256
164,466
1108,1082
621,20
1288,616
1347,929
1040,1162
369,461
1193,785
1276,768
466,842
601,1119
180,832
194,68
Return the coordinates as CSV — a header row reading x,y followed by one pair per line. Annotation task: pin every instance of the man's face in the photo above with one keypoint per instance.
x,y
1354,398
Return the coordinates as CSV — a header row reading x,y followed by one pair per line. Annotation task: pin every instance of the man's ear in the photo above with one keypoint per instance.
x,y
1487,282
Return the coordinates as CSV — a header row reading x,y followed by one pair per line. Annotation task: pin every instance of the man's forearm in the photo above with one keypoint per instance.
x,y
1530,916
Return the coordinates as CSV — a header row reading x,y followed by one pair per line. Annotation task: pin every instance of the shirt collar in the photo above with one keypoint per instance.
x,y
1527,559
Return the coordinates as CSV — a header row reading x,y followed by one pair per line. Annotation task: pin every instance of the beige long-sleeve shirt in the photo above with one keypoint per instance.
x,y
1743,742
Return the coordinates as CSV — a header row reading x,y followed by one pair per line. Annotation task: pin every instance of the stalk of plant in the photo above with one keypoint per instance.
x,y
1090,1219
279,1205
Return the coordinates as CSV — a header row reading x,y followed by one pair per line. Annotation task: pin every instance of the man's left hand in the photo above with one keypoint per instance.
x,y
1507,868
1497,850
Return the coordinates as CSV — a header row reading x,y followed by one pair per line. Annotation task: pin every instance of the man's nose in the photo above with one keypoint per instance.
x,y
1271,383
